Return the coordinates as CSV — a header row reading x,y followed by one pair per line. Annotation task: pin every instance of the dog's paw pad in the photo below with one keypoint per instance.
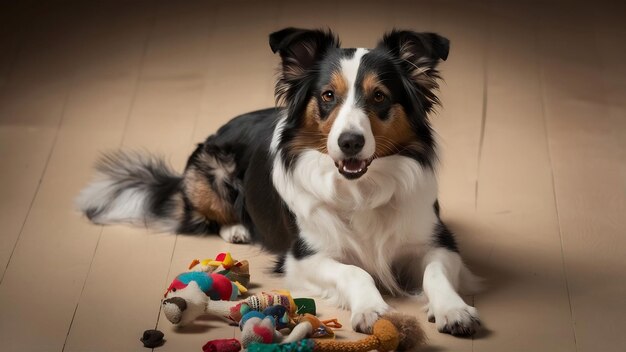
x,y
235,234
460,321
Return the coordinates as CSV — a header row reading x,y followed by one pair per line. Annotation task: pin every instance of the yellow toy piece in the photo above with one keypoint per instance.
x,y
241,288
224,260
236,271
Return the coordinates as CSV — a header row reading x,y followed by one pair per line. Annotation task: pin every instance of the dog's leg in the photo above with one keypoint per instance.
x,y
442,271
209,189
352,286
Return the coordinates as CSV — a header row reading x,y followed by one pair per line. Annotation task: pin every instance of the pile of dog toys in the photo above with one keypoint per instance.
x,y
269,321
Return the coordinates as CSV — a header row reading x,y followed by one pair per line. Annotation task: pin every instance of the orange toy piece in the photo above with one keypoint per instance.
x,y
385,337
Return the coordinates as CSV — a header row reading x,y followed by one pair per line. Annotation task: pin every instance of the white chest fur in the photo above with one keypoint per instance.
x,y
366,222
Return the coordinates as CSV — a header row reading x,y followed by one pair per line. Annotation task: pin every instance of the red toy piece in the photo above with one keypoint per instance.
x,y
223,345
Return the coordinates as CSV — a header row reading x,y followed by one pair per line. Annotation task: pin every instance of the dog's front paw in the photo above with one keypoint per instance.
x,y
363,319
462,320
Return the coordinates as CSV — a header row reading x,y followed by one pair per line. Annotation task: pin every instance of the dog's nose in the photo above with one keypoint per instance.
x,y
351,143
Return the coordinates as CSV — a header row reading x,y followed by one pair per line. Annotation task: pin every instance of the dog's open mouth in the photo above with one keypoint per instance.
x,y
353,168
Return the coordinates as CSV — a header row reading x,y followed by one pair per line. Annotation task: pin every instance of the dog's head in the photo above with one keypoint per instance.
x,y
357,105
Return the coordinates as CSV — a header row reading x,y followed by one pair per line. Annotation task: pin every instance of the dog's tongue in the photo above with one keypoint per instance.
x,y
353,165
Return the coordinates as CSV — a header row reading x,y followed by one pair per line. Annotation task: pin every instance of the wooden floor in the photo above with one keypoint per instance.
x,y
533,166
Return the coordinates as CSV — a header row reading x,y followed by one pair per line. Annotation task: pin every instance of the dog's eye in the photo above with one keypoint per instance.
x,y
379,97
174,289
328,96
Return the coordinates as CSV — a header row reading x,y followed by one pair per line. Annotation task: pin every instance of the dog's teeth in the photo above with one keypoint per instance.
x,y
352,166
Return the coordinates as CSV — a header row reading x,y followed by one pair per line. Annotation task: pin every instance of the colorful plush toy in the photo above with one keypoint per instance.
x,y
393,332
189,294
258,328
234,270
278,313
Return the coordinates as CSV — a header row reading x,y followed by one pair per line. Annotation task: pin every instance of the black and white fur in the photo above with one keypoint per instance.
x,y
343,231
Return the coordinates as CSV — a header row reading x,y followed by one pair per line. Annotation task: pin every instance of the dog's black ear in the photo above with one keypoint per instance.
x,y
300,49
414,46
419,54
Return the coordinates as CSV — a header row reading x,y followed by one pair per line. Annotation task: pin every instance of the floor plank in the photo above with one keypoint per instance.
x,y
10,39
532,138
515,185
249,84
254,81
458,124
32,100
56,246
586,124
161,121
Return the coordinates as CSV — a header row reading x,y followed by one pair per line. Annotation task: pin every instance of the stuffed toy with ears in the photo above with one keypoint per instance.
x,y
189,294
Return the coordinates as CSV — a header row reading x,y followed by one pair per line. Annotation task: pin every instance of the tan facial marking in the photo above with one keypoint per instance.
x,y
314,131
338,84
371,83
393,134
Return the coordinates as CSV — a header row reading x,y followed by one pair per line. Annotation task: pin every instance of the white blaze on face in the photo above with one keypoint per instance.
x,y
351,118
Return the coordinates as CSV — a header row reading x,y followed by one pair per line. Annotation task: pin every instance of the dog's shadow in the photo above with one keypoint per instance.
x,y
477,247
475,252
201,325
507,264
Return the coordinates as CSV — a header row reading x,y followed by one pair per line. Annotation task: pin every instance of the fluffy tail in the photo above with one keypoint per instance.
x,y
134,188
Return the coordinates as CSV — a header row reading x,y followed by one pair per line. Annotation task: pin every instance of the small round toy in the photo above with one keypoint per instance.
x,y
152,338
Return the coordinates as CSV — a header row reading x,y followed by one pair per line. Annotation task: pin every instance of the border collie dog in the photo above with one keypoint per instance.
x,y
339,180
